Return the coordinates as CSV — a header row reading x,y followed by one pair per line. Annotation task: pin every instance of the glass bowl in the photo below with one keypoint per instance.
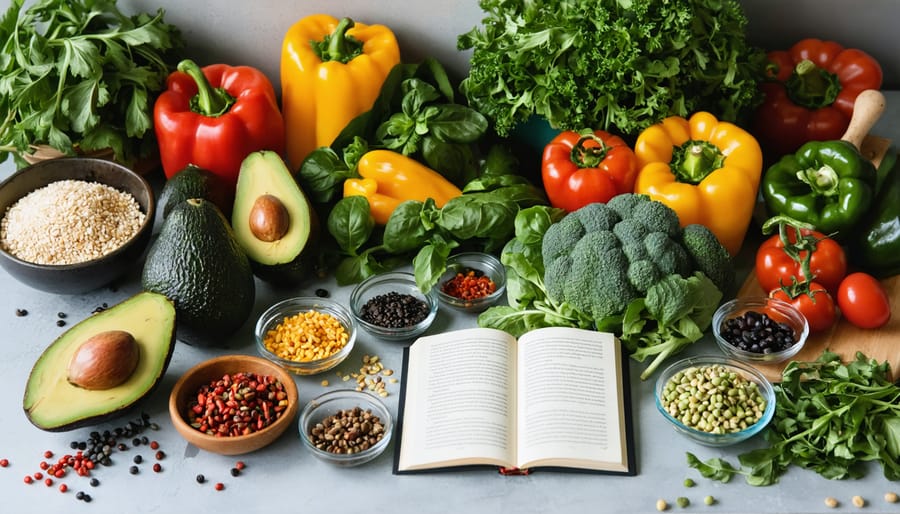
x,y
482,264
383,284
778,310
677,371
331,403
277,313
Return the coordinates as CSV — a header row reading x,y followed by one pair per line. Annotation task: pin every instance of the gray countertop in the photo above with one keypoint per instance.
x,y
286,477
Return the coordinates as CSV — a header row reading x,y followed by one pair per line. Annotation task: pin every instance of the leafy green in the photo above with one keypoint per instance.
x,y
622,64
82,74
830,417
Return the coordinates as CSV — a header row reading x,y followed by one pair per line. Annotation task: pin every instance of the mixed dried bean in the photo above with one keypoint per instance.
x,y
348,431
237,404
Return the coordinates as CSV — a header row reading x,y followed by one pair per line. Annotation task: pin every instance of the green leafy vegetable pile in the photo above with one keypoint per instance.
x,y
416,114
625,266
829,417
611,64
81,73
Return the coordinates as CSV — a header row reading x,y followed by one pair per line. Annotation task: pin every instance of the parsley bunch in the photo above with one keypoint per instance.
x,y
829,417
80,73
618,65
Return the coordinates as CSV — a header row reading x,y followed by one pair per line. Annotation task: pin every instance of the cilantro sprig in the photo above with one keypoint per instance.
x,y
80,73
830,417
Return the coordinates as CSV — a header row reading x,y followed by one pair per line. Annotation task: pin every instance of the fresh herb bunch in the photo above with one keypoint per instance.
x,y
830,417
619,65
81,74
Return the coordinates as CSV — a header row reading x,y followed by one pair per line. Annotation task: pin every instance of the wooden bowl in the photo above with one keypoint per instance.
x,y
186,388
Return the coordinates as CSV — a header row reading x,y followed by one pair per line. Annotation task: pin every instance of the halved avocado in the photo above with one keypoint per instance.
x,y
273,220
54,404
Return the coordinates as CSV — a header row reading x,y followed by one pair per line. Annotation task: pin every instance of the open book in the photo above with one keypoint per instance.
x,y
556,398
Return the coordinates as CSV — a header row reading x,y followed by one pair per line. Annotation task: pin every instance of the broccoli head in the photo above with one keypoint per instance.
x,y
709,256
601,257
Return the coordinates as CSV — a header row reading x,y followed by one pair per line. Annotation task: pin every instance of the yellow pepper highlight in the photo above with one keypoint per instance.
x,y
390,178
707,170
331,71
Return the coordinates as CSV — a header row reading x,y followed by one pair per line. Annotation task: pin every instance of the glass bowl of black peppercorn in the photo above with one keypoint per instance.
x,y
391,306
759,329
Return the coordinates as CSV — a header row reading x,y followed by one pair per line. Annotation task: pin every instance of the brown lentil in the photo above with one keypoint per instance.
x,y
307,336
348,431
68,222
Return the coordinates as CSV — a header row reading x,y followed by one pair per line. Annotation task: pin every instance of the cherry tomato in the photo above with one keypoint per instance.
x,y
817,306
863,301
774,267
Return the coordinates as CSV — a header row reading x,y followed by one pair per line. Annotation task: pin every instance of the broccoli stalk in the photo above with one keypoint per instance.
x,y
674,313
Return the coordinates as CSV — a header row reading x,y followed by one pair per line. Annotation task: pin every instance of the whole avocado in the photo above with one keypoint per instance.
x,y
197,263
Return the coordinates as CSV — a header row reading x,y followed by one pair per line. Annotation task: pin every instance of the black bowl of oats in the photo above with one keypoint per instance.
x,y
74,224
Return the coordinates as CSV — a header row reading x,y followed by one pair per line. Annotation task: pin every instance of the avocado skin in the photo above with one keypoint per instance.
x,y
195,182
197,263
164,345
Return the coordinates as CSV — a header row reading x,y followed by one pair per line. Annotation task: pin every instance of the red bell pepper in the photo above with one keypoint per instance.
x,y
810,93
213,118
578,169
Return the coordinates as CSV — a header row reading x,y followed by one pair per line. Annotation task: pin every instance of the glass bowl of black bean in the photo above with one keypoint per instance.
x,y
759,329
391,306
715,401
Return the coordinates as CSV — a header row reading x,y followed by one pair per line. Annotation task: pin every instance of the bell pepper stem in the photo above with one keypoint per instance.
x,y
208,101
694,160
811,86
338,46
822,180
589,157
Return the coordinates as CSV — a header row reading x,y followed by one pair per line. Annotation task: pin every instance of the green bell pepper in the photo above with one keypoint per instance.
x,y
877,247
827,184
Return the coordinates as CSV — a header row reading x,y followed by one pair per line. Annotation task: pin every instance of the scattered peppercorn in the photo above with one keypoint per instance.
x,y
122,447
831,502
61,315
160,455
28,479
138,459
661,505
235,472
200,479
322,293
48,481
79,495
63,488
38,475
240,465
60,323
94,482
136,441
756,332
48,454
219,486
87,498
394,310
133,470
469,284
157,467
154,445
21,312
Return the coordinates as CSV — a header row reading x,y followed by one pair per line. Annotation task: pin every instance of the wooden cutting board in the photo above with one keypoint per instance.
x,y
882,344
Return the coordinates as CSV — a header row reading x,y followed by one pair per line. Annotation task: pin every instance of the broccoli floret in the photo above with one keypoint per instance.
x,y
630,231
561,237
657,217
623,204
597,282
643,273
597,217
668,254
556,274
708,255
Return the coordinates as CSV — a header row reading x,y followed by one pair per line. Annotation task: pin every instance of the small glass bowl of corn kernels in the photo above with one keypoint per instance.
x,y
306,335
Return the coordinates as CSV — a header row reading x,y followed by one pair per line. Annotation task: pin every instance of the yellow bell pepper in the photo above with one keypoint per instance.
x,y
707,170
331,72
390,178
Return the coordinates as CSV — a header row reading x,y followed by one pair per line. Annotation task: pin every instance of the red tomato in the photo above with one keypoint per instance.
x,y
774,267
863,301
817,306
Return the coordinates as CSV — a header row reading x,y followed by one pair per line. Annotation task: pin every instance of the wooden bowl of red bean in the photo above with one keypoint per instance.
x,y
233,404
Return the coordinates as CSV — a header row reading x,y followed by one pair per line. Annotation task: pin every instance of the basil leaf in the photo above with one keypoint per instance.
x,y
404,230
322,175
457,124
351,223
455,162
715,469
431,261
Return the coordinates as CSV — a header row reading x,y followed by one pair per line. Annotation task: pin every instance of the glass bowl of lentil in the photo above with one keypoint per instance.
x,y
759,329
715,401
74,224
391,306
306,335
472,282
368,427
266,390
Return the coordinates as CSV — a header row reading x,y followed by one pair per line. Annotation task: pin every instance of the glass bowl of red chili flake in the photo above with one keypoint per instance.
x,y
233,404
472,282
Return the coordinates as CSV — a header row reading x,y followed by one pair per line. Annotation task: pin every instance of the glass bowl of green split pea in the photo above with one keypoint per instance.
x,y
715,401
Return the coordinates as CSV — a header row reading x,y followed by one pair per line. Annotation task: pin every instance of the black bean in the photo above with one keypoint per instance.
x,y
757,333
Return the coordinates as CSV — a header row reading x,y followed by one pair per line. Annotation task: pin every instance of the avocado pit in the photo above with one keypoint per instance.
x,y
269,218
105,360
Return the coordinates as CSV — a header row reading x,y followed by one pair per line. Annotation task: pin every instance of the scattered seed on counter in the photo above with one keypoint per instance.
x,y
60,323
689,482
134,470
235,472
160,455
157,467
682,501
220,486
240,465
859,501
61,315
63,488
890,497
324,383
831,502
709,500
322,293
200,479
21,312
4,463
661,505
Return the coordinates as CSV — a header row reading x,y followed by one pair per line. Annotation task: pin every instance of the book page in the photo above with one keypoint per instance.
x,y
459,407
570,400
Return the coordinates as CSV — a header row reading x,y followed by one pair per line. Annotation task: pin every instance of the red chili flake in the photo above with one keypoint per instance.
x,y
469,284
219,486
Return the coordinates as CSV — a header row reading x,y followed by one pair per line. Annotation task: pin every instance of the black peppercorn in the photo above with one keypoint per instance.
x,y
235,472
394,310
138,459
322,293
21,312
200,479
60,323
133,470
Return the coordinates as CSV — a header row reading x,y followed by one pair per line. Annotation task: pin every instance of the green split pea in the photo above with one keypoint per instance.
x,y
713,399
